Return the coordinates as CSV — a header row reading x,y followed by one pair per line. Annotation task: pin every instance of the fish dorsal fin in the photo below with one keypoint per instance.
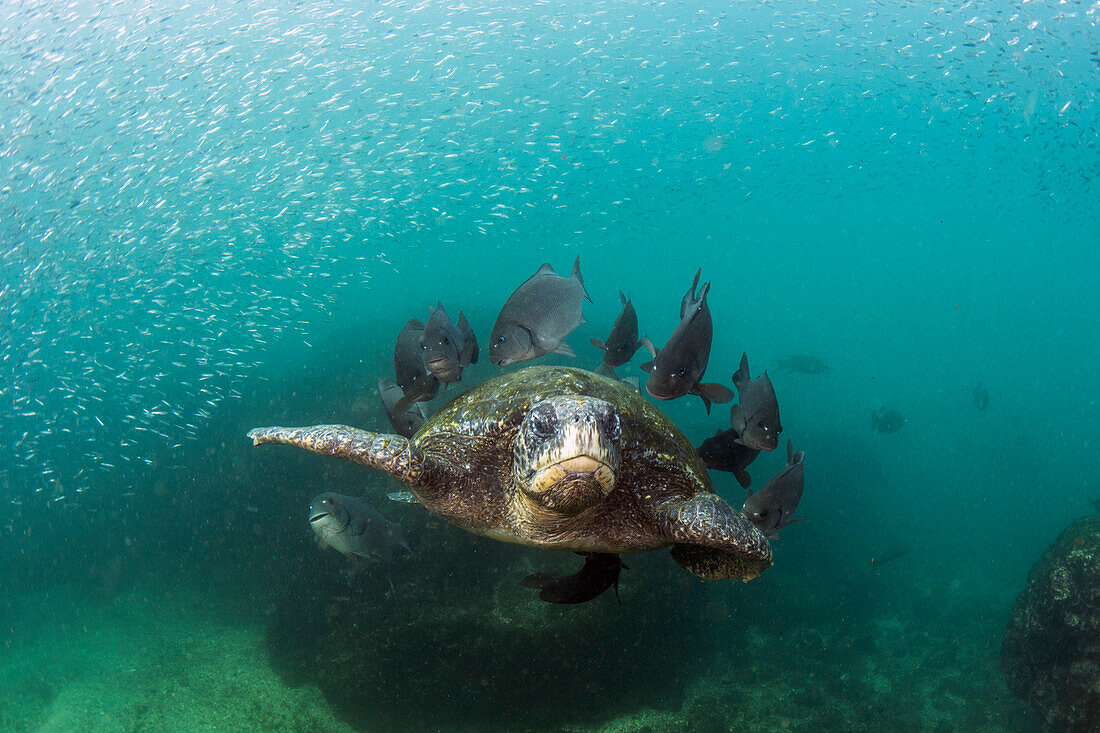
x,y
576,275
689,297
545,269
624,299
741,376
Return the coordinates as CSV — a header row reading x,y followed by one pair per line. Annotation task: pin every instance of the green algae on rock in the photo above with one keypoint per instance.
x,y
1051,650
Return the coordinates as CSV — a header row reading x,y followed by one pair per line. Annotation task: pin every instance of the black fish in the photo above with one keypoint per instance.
x,y
803,364
887,421
447,348
538,316
771,508
755,417
1096,503
416,382
622,342
723,452
677,368
600,572
981,396
410,419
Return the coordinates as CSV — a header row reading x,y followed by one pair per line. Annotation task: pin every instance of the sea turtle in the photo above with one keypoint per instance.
x,y
564,459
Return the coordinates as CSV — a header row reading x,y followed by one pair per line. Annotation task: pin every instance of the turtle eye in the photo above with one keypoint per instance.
x,y
542,422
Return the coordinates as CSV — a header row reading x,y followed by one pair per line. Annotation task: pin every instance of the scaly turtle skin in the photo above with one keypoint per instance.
x,y
558,458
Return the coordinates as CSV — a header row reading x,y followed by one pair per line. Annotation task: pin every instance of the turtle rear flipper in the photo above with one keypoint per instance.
x,y
600,572
715,541
390,453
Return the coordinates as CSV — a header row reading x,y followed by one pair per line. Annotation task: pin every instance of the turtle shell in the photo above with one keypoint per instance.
x,y
467,446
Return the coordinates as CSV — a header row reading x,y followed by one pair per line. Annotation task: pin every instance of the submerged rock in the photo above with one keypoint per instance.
x,y
1051,650
449,639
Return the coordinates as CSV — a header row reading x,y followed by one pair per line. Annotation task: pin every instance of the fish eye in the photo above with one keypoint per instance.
x,y
500,339
760,424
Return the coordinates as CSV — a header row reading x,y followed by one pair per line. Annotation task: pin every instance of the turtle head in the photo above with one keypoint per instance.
x,y
566,453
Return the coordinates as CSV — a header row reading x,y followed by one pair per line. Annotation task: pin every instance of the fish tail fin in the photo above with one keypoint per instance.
x,y
565,350
607,370
743,478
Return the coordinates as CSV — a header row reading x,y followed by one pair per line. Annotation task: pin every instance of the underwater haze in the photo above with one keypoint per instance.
x,y
219,215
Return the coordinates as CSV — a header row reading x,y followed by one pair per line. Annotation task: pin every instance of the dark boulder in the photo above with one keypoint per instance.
x,y
1051,650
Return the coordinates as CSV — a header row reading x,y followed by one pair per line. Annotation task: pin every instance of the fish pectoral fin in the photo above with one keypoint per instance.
x,y
565,350
649,347
743,478
598,344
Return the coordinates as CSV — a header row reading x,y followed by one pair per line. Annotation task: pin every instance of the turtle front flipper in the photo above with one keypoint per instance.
x,y
715,541
390,453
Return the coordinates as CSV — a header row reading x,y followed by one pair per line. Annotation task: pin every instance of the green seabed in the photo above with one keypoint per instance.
x,y
156,659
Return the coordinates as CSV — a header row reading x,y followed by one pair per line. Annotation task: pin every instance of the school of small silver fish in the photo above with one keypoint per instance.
x,y
184,185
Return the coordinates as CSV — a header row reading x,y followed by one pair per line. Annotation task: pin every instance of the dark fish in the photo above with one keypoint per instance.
x,y
600,572
723,452
447,349
416,382
755,417
622,342
409,420
802,364
884,420
538,316
677,368
771,508
981,396
1096,503
353,527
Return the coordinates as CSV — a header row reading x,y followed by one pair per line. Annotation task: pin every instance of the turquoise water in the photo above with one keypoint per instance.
x,y
216,216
